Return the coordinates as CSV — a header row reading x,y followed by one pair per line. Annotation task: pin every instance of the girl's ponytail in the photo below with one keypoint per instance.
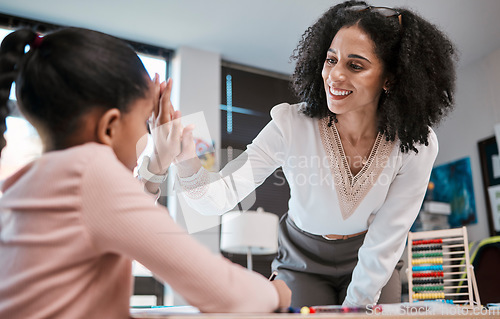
x,y
12,52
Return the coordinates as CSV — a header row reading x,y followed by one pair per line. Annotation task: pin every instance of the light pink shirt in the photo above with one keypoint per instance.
x,y
70,224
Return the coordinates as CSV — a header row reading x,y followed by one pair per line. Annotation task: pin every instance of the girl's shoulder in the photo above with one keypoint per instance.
x,y
78,161
65,169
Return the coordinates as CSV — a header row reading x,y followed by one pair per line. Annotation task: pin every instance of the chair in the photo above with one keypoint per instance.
x,y
485,257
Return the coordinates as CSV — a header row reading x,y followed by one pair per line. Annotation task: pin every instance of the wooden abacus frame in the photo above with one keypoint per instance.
x,y
444,242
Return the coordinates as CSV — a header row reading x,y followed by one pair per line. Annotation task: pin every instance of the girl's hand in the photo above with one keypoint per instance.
x,y
166,129
284,293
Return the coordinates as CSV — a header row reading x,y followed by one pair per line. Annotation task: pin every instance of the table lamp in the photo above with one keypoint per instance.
x,y
250,233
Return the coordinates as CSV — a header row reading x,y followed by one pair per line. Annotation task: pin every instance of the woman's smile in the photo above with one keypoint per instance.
x,y
338,94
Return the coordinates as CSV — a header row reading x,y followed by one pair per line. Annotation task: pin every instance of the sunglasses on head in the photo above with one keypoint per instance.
x,y
384,11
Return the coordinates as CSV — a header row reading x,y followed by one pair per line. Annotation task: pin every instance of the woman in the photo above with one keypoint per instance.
x,y
357,152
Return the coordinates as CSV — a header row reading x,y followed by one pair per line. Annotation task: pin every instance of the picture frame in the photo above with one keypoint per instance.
x,y
488,156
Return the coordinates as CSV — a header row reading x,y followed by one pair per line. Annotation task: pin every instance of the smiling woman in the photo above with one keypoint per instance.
x,y
372,82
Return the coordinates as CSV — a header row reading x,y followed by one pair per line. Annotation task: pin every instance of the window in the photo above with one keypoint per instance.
x,y
23,142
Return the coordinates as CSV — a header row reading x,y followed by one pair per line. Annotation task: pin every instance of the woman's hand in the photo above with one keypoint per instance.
x,y
169,136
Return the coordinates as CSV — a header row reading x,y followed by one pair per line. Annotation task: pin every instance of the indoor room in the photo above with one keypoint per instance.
x,y
409,171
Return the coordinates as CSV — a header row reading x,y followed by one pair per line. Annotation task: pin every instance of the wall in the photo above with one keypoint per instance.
x,y
476,112
196,76
196,88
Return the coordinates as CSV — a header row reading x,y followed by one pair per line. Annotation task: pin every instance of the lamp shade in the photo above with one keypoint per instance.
x,y
251,231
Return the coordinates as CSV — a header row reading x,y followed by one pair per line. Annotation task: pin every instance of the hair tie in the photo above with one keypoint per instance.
x,y
37,42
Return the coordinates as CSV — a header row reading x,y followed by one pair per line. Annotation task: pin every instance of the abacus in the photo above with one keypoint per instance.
x,y
440,269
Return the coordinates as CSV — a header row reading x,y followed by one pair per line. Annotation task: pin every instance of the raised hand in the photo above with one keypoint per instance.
x,y
166,129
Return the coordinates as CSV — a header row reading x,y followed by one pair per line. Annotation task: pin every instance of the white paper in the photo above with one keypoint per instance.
x,y
162,310
495,161
497,134
200,132
494,195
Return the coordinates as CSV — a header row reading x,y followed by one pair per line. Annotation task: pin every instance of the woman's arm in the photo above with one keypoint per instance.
x,y
216,193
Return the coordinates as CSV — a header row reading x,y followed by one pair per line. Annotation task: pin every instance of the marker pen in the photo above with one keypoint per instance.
x,y
273,275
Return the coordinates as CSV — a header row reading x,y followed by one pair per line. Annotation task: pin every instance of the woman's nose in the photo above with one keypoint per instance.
x,y
336,74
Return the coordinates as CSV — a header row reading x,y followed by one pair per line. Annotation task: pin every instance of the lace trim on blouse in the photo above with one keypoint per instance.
x,y
197,185
352,189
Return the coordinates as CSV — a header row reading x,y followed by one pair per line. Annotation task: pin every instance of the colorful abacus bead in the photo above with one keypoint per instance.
x,y
434,247
421,261
427,242
435,295
449,301
428,274
424,255
428,288
425,268
428,281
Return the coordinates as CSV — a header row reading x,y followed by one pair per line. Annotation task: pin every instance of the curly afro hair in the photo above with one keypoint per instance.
x,y
419,58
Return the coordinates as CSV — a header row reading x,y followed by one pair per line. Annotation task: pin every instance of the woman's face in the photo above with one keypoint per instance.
x,y
353,75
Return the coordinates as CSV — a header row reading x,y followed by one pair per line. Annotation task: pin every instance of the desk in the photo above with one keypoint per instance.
x,y
313,316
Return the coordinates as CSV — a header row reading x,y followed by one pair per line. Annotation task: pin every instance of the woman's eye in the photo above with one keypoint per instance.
x,y
331,61
356,67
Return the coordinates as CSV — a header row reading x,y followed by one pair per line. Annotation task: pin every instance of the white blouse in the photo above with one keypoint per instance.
x,y
384,197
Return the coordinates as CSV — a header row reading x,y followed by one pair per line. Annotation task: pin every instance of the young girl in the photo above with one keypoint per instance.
x,y
72,220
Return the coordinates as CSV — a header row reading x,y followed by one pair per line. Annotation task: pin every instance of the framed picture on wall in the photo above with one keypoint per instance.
x,y
490,168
